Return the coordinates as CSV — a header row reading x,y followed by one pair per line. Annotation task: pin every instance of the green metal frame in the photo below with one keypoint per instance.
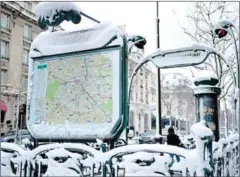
x,y
121,123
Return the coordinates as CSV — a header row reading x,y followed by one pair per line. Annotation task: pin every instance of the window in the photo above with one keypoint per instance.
x,y
27,32
131,93
25,57
145,122
2,116
141,83
28,6
141,97
3,76
146,75
139,121
24,83
146,98
131,119
4,49
4,21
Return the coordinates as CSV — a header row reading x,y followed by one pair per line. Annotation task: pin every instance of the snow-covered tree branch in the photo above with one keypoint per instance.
x,y
203,16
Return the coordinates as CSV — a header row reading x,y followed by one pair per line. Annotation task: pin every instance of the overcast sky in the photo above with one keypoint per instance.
x,y
139,18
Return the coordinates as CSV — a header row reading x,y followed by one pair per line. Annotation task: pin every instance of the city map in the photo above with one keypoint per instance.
x,y
78,89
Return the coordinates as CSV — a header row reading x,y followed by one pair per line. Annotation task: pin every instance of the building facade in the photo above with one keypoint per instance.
x,y
143,94
177,100
18,29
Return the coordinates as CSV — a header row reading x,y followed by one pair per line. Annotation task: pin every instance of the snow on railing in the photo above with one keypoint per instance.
x,y
226,156
75,159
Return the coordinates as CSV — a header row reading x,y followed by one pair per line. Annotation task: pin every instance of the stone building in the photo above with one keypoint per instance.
x,y
143,94
18,29
177,100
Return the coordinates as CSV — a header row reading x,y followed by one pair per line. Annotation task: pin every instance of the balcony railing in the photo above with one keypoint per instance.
x,y
27,39
5,29
5,58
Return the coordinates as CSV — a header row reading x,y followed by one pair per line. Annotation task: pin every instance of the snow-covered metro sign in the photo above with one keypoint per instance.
x,y
180,57
75,84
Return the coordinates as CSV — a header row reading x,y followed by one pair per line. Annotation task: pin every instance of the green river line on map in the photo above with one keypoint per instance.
x,y
79,89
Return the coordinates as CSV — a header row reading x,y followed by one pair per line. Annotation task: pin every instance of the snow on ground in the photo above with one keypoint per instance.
x,y
136,160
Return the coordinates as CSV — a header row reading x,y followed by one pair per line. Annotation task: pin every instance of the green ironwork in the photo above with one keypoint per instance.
x,y
208,151
207,104
58,18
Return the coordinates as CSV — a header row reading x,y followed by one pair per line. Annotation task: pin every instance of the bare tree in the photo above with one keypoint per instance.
x,y
203,16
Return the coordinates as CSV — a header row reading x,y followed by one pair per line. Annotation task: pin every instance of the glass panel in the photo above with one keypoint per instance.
x,y
25,57
24,83
145,122
3,76
4,21
3,48
27,31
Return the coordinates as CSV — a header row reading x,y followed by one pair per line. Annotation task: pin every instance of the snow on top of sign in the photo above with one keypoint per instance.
x,y
199,129
206,75
59,42
48,9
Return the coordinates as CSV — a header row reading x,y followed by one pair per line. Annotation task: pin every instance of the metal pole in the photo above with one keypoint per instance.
x,y
89,17
17,121
237,58
159,116
238,114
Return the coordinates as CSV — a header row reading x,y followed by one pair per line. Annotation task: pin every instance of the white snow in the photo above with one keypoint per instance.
x,y
61,152
236,94
12,146
200,130
57,169
59,42
48,9
53,43
184,56
146,148
76,146
43,130
206,75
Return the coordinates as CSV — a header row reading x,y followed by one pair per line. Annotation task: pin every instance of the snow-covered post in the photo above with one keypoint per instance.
x,y
203,140
206,93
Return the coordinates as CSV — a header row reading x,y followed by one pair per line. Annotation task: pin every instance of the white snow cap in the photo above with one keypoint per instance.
x,y
206,75
45,9
199,129
52,43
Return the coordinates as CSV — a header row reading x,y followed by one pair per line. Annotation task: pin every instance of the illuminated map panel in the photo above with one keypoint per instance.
x,y
79,91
